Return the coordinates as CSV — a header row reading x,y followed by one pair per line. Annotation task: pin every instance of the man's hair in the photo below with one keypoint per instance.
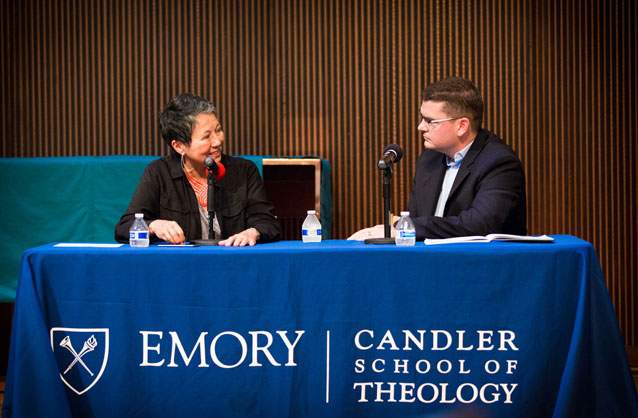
x,y
178,117
461,97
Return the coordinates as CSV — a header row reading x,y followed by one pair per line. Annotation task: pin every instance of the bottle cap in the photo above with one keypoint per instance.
x,y
405,213
312,212
139,215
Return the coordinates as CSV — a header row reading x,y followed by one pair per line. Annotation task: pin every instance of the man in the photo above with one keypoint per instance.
x,y
467,182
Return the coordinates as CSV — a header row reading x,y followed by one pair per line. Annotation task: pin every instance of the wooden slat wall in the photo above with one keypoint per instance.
x,y
340,79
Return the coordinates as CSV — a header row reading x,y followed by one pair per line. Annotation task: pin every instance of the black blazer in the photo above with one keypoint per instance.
x,y
165,193
488,194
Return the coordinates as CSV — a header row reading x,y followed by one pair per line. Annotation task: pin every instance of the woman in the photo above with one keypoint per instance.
x,y
172,193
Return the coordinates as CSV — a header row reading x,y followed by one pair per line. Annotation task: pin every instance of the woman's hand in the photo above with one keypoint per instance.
x,y
169,231
248,236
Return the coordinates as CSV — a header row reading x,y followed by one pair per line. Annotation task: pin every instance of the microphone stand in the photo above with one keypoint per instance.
x,y
387,194
212,239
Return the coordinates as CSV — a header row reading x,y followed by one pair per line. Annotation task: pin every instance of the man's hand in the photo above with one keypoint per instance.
x,y
169,231
377,231
249,236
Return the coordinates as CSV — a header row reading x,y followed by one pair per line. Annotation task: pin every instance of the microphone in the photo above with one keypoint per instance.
x,y
218,169
391,154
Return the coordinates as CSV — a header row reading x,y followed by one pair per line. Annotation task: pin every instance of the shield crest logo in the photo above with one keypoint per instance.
x,y
81,355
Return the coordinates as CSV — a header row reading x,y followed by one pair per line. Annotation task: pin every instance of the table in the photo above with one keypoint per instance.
x,y
335,329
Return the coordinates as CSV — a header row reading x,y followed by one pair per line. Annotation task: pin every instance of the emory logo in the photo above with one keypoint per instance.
x,y
81,354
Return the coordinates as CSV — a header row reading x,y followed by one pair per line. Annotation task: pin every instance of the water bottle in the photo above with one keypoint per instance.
x,y
138,234
311,228
406,234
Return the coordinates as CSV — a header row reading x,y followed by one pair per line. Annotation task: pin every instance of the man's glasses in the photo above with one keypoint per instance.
x,y
433,123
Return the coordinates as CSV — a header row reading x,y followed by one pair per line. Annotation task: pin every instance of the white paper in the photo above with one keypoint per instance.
x,y
489,238
86,245
175,245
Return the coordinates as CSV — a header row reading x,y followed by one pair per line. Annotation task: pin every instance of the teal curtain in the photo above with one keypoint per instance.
x,y
70,199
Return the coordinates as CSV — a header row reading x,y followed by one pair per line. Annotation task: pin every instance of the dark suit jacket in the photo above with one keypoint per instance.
x,y
488,194
165,193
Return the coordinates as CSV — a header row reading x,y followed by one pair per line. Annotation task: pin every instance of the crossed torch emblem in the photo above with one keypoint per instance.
x,y
89,345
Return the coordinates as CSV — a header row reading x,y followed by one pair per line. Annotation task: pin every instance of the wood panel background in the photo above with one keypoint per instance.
x,y
341,79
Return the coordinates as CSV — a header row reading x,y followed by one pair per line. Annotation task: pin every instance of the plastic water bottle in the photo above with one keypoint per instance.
x,y
138,234
406,233
311,228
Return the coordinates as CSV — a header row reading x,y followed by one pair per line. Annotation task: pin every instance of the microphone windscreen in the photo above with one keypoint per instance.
x,y
396,149
221,171
218,169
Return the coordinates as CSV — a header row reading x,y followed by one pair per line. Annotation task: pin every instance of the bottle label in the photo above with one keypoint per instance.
x,y
407,234
311,232
138,235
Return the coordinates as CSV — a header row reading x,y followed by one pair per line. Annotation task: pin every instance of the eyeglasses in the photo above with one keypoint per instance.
x,y
433,123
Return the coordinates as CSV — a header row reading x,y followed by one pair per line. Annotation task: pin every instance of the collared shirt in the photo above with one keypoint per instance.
x,y
453,166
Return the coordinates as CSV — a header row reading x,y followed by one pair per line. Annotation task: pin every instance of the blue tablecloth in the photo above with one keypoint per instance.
x,y
336,329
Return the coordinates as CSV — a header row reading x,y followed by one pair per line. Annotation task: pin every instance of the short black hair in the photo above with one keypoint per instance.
x,y
461,97
178,117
